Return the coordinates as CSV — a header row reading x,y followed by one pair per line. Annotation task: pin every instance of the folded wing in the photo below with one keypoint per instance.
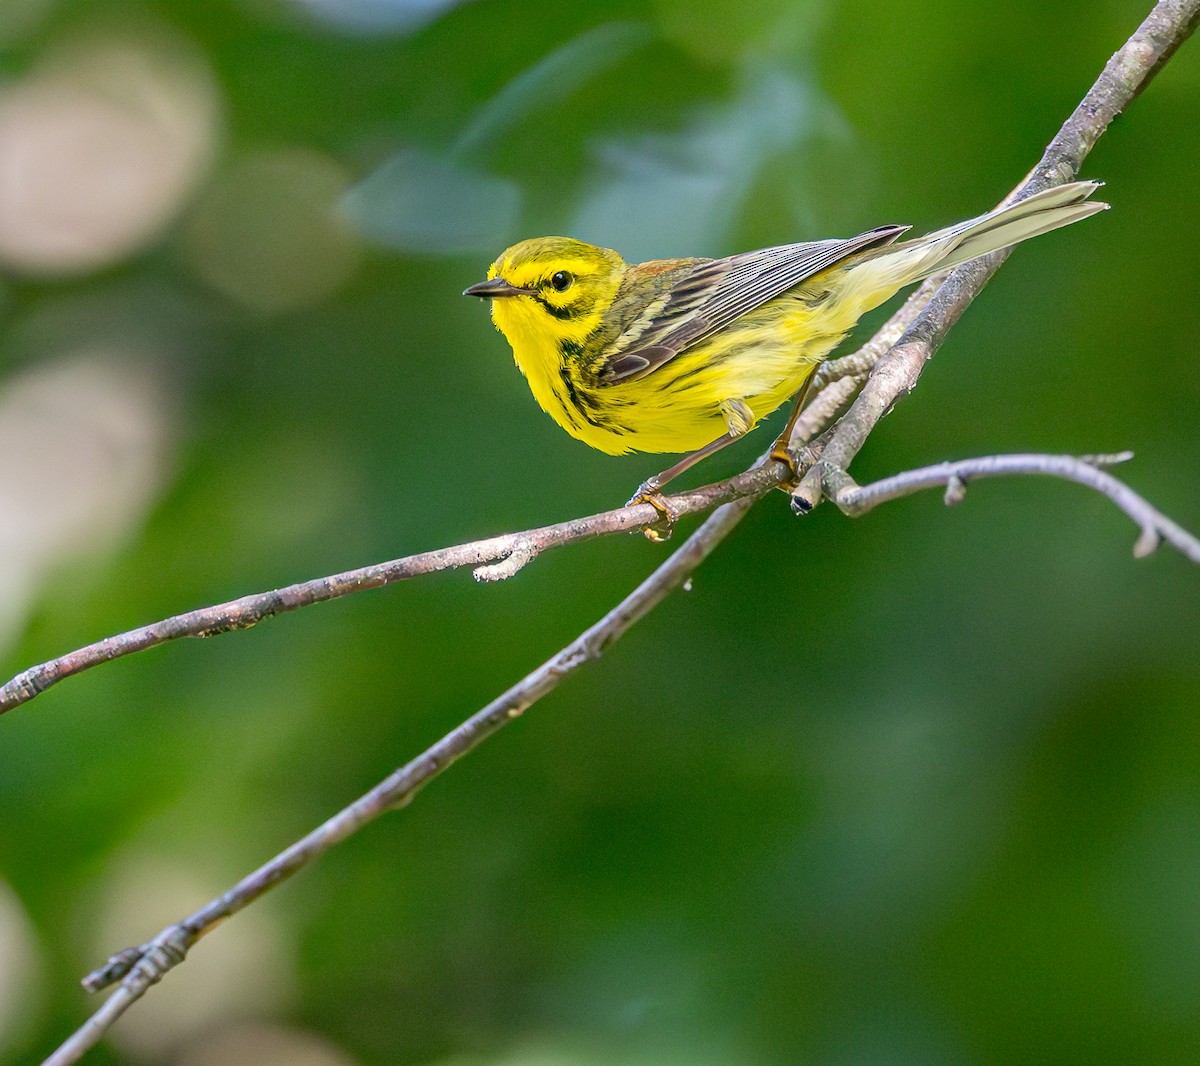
x,y
720,291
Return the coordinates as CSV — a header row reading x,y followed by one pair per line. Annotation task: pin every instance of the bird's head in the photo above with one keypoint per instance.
x,y
550,289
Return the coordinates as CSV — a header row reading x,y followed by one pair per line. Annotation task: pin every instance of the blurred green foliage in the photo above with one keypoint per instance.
x,y
920,788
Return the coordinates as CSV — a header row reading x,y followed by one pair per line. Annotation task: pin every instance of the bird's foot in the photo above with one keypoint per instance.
x,y
781,454
650,491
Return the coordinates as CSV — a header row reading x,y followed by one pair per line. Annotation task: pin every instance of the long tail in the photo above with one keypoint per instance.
x,y
1044,211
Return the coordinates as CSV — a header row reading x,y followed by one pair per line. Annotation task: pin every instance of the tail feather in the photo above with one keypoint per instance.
x,y
1002,228
875,275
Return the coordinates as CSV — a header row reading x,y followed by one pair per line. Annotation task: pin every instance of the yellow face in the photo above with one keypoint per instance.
x,y
558,291
550,297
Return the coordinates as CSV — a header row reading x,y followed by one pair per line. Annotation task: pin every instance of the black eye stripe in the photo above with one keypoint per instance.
x,y
562,313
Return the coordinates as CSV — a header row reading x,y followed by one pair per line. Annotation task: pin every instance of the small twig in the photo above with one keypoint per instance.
x,y
523,552
88,1035
823,409
854,500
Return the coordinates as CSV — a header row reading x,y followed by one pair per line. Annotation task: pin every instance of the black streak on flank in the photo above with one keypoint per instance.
x,y
579,402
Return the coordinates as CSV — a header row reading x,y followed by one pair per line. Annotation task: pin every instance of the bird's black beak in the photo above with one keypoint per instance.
x,y
490,289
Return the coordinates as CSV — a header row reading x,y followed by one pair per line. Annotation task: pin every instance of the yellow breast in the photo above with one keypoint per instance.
x,y
761,360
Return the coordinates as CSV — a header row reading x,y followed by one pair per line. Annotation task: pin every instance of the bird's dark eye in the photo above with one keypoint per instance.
x,y
561,281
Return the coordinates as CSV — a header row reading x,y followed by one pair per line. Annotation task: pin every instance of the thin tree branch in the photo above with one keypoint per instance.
x,y
857,366
494,558
1124,76
854,500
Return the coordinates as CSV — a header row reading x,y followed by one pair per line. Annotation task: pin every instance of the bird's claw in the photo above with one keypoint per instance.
x,y
781,454
650,492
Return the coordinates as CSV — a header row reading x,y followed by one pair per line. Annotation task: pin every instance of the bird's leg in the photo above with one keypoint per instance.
x,y
650,490
781,452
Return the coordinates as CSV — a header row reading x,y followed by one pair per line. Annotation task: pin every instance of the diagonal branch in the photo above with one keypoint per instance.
x,y
138,968
141,967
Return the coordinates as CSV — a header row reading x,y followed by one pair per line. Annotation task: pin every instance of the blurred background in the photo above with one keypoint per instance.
x,y
918,788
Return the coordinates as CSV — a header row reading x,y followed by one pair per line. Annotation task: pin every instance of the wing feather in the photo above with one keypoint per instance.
x,y
719,291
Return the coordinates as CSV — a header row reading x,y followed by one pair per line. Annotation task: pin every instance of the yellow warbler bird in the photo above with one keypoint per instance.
x,y
686,355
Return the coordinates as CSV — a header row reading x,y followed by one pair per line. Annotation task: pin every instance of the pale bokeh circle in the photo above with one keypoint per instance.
x,y
100,147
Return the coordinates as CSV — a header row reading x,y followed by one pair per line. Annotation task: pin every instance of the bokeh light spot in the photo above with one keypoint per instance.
x,y
263,1045
20,967
84,448
100,146
230,975
268,235
370,17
